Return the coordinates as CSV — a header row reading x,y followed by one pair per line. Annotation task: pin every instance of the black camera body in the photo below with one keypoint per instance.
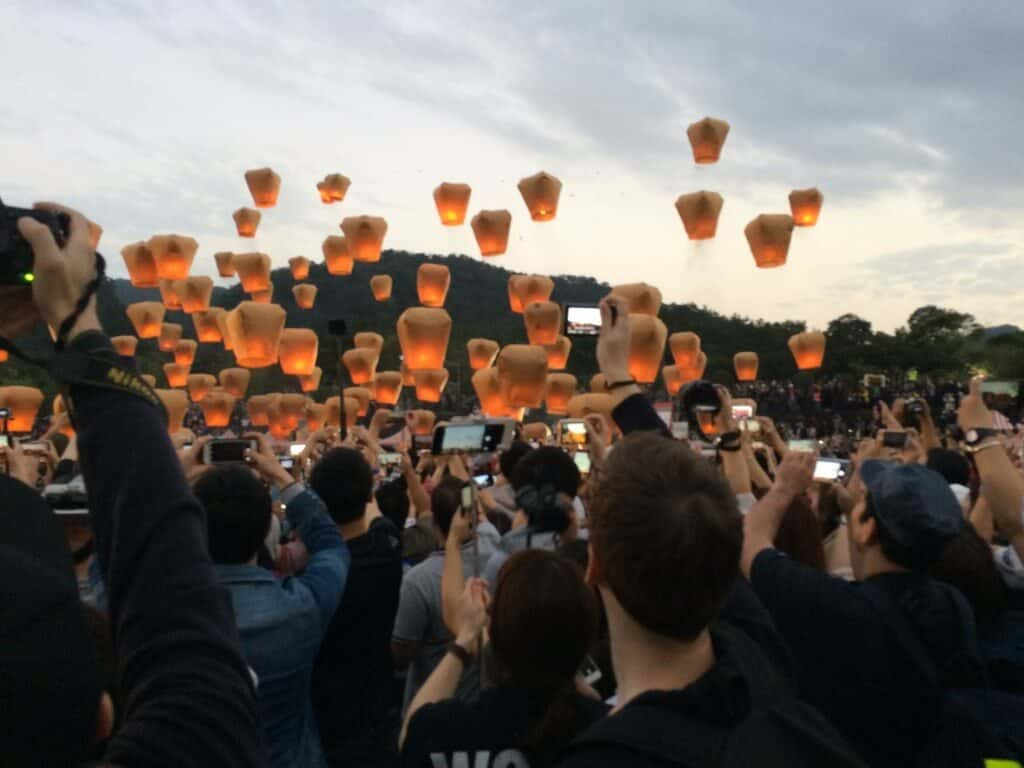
x,y
701,403
16,259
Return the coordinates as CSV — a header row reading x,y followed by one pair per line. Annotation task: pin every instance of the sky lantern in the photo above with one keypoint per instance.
x,y
582,406
284,413
125,346
247,221
4,356
423,334
173,255
491,228
452,200
808,349
673,379
695,371
305,295
141,264
277,419
257,406
264,186
176,403
707,137
430,384
169,293
185,352
361,364
253,271
599,384
643,299
225,263
334,408
352,407
225,330
407,378
336,255
381,285
422,422
768,236
369,340
217,407
200,385
537,432
805,205
177,375
522,375
646,347
255,333
432,283
558,353
561,387
525,289
365,236
195,294
333,188
311,382
745,364
543,320
205,322
299,266
170,335
362,395
297,351
699,212
685,346
482,353
23,404
263,297
488,392
540,193
316,416
333,412
387,386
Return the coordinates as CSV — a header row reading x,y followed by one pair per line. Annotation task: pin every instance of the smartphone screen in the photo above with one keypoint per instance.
x,y
389,459
742,412
573,432
483,481
3,441
830,470
286,461
806,446
582,459
296,449
477,437
894,439
227,451
582,320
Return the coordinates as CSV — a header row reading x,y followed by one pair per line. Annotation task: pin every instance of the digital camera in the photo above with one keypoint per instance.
x,y
16,259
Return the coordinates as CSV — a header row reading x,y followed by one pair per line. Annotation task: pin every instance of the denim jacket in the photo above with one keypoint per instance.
x,y
281,624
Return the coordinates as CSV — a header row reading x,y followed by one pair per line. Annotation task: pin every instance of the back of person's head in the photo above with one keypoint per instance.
x,y
238,511
967,564
344,482
545,482
799,534
445,501
544,620
952,465
393,501
833,503
508,459
665,535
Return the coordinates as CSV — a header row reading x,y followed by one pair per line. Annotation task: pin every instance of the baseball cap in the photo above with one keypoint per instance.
x,y
914,505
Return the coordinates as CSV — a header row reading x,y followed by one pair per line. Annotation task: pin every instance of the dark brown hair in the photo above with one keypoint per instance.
x,y
799,535
666,534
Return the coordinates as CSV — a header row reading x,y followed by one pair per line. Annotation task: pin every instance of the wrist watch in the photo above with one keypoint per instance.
x,y
974,436
460,653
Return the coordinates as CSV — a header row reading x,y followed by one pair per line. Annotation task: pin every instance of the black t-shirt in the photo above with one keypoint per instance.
x,y
485,734
352,676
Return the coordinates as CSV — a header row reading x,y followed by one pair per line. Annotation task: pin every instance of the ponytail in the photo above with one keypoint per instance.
x,y
556,726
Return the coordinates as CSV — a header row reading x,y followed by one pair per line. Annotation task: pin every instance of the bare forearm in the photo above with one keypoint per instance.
x,y
417,494
734,464
761,525
1001,489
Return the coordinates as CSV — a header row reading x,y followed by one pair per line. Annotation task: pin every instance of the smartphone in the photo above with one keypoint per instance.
x,y
3,441
750,425
589,671
483,481
831,470
742,412
582,459
892,438
474,437
36,449
572,432
582,320
288,462
806,446
227,451
389,459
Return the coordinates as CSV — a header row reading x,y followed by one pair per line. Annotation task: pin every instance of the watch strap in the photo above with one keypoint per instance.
x,y
460,653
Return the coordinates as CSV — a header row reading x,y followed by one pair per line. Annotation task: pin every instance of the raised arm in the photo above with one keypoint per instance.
x,y
762,522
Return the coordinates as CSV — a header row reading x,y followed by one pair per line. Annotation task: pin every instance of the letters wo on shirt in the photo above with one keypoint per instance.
x,y
506,758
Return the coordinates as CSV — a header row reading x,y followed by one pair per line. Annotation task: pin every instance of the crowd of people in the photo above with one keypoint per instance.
x,y
684,602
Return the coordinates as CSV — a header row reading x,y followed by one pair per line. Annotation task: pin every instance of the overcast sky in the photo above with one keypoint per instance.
x,y
908,116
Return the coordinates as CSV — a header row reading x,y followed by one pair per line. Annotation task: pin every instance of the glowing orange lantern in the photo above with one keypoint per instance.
x,y
561,387
432,282
540,193
225,263
387,386
599,384
170,335
361,395
488,392
407,379
543,320
4,357
175,403
207,329
141,265
696,371
200,385
430,385
177,375
522,375
333,188
311,383
217,408
422,422
423,334
673,379
369,340
806,206
173,255
258,407
247,221
297,351
196,293
808,350
582,406
333,408
491,228
646,347
482,353
253,271
23,404
365,236
537,432
264,186
361,364
169,293
685,347
125,346
699,212
643,299
452,200
745,364
225,330
284,413
316,416
263,297
381,287
768,236
255,333
526,289
707,137
185,352
558,353
299,266
305,295
336,255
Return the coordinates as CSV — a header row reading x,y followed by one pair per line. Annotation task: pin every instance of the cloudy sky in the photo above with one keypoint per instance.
x,y
906,115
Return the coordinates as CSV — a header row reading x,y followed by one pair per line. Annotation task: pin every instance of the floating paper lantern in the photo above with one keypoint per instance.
x,y
225,330
175,403
311,382
768,236
407,378
707,137
558,353
263,297
643,299
125,346
361,364
141,265
217,408
537,432
526,289
646,347
380,285
333,411
305,295
805,205
316,416
253,271
491,228
540,193
488,392
255,333
297,351
482,353
336,255
169,293
543,320
200,385
299,266
452,200
369,340
247,221
423,334
745,364
334,407
258,407
430,384
699,212
264,186
685,347
4,357
561,388
362,395
808,350
696,371
185,352
170,335
387,386
582,406
365,236
195,294
225,263
333,188
177,375
673,379
422,422
284,413
432,282
207,329
173,255
599,384
522,375
23,404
